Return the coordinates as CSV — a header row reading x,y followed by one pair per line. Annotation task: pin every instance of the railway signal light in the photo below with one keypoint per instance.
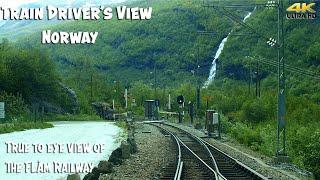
x,y
157,103
180,99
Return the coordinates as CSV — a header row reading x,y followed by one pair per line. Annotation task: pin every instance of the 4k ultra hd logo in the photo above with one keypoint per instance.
x,y
302,10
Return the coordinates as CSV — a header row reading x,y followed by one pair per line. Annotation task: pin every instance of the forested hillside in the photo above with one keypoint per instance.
x,y
248,60
160,52
156,57
129,50
302,44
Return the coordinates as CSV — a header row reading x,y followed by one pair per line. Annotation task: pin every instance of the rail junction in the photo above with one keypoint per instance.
x,y
198,159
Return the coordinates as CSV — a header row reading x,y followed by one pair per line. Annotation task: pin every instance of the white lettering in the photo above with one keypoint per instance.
x,y
49,37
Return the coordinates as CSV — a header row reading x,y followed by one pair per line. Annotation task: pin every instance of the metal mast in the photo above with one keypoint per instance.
x,y
281,132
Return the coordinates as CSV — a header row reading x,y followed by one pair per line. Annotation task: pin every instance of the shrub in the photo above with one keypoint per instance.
x,y
14,105
71,117
21,126
268,136
307,149
246,135
226,126
255,111
311,155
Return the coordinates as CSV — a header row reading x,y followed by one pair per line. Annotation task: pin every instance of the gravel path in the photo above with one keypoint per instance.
x,y
154,153
252,159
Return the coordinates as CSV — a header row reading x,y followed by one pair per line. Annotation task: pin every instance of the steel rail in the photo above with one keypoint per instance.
x,y
178,172
252,173
181,163
200,141
255,173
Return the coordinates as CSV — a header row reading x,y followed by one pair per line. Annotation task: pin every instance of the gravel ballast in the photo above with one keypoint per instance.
x,y
154,153
256,161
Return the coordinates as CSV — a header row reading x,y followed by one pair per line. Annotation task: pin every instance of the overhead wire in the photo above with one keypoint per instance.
x,y
291,68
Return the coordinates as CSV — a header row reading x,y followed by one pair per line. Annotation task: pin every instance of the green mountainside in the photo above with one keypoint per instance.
x,y
157,57
302,43
168,42
253,120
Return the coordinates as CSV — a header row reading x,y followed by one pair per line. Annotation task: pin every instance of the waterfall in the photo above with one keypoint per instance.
x,y
247,16
213,69
214,64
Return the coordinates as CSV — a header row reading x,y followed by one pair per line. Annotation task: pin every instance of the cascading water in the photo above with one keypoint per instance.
x,y
248,15
213,69
214,64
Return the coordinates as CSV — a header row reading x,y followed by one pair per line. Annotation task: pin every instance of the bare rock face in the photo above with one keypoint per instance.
x,y
105,167
73,177
104,110
125,147
72,95
94,175
132,144
116,157
45,107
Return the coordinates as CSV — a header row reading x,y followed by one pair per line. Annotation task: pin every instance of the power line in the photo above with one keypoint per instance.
x,y
237,19
279,45
291,68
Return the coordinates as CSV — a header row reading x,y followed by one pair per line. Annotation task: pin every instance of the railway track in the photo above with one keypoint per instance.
x,y
231,168
188,164
198,159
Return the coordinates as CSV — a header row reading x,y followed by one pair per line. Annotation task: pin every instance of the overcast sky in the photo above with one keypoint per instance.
x,y
17,3
14,3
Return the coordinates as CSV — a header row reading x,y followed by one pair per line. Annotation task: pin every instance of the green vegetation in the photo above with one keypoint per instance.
x,y
250,120
124,134
122,124
28,82
129,50
72,117
155,58
253,120
17,117
29,75
21,126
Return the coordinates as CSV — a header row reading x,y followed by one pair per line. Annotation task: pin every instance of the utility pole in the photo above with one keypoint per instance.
x,y
281,132
198,82
281,153
114,94
126,96
250,78
169,102
257,79
198,97
207,103
91,93
91,87
191,111
155,79
118,94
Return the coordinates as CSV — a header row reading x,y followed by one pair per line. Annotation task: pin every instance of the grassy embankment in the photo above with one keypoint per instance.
x,y
21,126
9,127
